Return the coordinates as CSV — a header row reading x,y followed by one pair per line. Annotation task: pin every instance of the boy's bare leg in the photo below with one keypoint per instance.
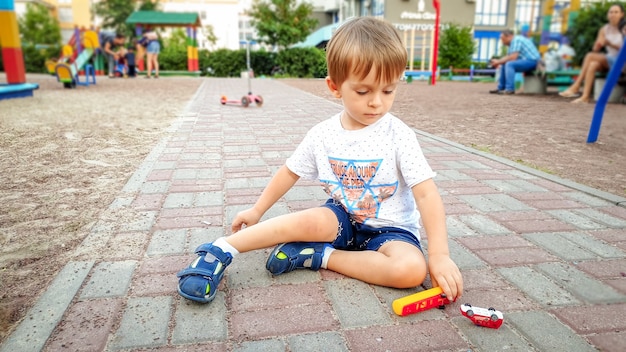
x,y
311,225
396,264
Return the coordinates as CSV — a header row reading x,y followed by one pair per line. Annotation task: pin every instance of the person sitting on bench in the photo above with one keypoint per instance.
x,y
609,37
522,56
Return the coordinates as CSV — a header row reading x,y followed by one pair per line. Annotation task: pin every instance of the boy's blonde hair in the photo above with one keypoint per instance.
x,y
363,44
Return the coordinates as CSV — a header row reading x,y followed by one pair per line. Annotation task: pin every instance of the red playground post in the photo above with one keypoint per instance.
x,y
433,75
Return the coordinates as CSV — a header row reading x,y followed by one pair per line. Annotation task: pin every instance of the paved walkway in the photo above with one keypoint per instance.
x,y
550,254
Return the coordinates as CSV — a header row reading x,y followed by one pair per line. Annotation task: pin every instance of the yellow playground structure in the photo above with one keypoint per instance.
x,y
76,58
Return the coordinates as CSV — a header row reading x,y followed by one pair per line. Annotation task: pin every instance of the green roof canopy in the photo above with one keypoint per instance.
x,y
165,19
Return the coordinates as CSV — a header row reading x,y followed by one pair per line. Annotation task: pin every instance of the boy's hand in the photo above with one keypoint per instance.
x,y
445,274
246,217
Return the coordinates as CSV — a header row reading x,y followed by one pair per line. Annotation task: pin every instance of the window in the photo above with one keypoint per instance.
x,y
491,12
66,15
487,45
528,13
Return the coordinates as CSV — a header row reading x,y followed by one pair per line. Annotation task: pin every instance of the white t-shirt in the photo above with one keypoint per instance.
x,y
370,170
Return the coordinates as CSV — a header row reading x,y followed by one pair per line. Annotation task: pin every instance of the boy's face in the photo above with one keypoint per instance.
x,y
365,101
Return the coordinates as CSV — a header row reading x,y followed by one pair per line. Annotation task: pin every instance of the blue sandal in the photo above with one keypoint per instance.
x,y
199,281
287,257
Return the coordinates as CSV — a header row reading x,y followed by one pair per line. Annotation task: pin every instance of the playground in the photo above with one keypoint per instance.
x,y
68,152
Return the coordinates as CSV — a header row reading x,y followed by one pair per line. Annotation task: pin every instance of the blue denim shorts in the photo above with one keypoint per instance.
x,y
354,236
611,60
154,47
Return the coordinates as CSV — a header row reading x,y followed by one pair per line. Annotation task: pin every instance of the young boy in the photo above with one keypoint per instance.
x,y
371,166
130,61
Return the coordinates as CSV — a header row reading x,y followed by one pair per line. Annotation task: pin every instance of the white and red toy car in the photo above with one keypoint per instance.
x,y
489,318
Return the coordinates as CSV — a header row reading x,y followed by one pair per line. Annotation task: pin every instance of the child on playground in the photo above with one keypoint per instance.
x,y
372,168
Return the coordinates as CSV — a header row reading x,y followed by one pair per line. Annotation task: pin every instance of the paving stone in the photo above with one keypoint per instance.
x,y
128,245
200,236
463,258
394,337
586,199
610,342
355,304
273,345
143,221
324,341
560,246
579,221
599,318
598,247
483,225
196,323
483,279
514,186
293,320
155,187
549,225
538,286
514,256
276,296
605,268
505,300
456,228
584,287
109,279
554,204
453,175
167,242
603,218
86,326
485,203
494,242
144,323
482,339
31,334
178,200
547,333
154,284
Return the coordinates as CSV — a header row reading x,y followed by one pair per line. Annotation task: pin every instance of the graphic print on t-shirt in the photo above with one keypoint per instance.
x,y
354,189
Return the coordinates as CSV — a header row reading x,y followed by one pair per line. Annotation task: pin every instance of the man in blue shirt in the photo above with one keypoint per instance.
x,y
522,56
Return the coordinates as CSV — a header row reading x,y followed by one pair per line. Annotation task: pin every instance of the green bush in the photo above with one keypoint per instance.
x,y
224,63
584,30
302,62
456,47
295,62
35,58
173,58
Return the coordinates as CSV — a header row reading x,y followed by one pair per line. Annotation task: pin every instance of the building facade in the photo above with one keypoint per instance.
x,y
231,24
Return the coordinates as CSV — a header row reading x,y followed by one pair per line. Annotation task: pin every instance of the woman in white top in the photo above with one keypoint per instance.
x,y
610,38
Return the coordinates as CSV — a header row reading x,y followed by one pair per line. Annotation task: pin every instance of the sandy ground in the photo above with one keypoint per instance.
x,y
65,154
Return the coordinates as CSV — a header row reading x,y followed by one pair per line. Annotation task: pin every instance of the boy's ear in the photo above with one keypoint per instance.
x,y
333,87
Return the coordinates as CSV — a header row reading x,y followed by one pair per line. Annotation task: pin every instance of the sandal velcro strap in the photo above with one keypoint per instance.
x,y
217,252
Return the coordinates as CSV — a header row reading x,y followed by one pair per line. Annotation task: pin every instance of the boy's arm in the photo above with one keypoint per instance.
x,y
282,182
443,271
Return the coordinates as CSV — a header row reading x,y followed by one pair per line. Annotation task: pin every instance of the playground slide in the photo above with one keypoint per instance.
x,y
67,55
67,72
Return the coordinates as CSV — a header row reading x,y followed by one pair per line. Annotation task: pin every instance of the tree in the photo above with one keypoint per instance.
x,y
282,22
209,34
456,47
41,37
115,12
37,26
